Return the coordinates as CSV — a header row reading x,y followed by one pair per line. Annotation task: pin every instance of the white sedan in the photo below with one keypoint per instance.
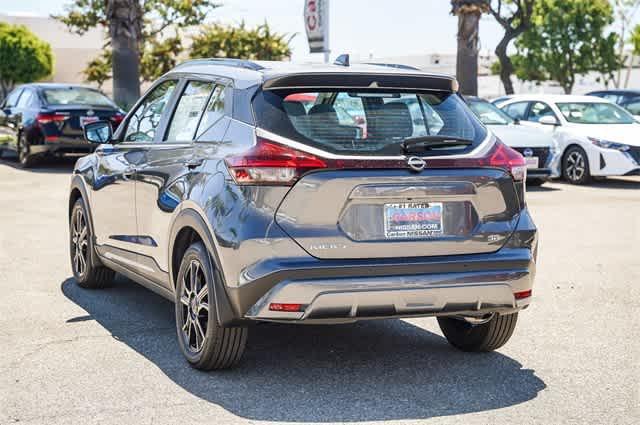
x,y
593,136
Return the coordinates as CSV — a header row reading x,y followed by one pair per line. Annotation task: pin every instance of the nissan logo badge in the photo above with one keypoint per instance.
x,y
416,164
528,152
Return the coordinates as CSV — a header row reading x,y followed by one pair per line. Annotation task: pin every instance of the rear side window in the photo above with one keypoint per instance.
x,y
372,122
516,110
214,110
539,110
187,114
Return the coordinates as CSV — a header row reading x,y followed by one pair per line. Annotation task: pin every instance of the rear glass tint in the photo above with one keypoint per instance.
x,y
365,122
75,96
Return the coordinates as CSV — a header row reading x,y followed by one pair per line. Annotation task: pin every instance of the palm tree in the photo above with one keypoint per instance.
x,y
125,29
468,13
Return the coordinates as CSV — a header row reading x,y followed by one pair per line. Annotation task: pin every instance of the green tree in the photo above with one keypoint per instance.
x,y
136,39
468,13
567,38
515,18
23,57
240,42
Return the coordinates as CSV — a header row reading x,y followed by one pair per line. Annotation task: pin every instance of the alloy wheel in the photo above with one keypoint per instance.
x,y
194,300
79,241
575,166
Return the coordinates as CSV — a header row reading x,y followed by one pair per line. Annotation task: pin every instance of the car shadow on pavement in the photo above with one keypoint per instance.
x,y
632,183
45,165
368,371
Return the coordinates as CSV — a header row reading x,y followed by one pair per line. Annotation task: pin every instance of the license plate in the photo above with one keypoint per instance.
x,y
531,161
87,120
412,220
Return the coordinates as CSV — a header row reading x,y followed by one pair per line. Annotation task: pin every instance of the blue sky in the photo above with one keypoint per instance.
x,y
358,27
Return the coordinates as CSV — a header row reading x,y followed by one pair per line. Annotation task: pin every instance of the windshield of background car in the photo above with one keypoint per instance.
x,y
75,96
594,113
489,114
354,122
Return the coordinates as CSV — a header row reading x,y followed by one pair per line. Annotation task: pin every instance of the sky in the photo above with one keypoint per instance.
x,y
362,28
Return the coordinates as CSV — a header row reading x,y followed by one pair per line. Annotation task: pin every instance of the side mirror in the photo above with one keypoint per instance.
x,y
548,120
98,132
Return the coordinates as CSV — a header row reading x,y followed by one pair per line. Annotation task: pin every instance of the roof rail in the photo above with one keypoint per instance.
x,y
393,65
236,63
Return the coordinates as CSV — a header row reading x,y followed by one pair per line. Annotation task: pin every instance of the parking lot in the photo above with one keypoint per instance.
x,y
76,356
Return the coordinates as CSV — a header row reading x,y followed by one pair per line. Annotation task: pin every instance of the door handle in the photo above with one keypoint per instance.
x,y
193,163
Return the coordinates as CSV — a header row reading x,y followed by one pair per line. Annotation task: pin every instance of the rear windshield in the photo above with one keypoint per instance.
x,y
75,96
366,122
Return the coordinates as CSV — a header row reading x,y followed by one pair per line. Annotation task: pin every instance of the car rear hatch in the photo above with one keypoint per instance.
x,y
417,175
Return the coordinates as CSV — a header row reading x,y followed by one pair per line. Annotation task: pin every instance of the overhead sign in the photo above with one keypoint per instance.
x,y
316,23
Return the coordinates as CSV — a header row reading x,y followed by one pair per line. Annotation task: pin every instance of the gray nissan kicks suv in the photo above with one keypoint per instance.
x,y
265,191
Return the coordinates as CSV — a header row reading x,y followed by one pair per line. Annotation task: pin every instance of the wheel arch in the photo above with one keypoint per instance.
x,y
187,228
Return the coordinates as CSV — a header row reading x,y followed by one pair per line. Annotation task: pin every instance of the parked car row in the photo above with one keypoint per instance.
x,y
592,137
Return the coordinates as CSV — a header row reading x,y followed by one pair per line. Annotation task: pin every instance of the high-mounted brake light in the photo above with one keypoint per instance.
x,y
271,163
47,118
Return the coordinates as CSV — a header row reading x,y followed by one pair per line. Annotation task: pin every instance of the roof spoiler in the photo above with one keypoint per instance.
x,y
362,81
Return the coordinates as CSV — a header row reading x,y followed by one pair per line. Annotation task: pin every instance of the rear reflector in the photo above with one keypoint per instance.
x,y
51,139
285,307
523,294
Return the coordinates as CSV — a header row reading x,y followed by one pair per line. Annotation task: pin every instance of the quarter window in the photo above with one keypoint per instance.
x,y
145,120
187,114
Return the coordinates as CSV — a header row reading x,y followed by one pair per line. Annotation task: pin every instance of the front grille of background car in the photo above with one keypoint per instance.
x,y
541,153
634,151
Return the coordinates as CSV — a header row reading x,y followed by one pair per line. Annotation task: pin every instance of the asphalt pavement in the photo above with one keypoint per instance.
x,y
74,356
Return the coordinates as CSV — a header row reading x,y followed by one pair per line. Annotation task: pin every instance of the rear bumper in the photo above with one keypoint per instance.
x,y
351,299
63,145
539,173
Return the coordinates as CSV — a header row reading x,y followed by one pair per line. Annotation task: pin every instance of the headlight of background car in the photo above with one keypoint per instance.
x,y
608,145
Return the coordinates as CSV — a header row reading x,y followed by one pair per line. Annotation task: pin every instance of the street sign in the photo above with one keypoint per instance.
x,y
316,23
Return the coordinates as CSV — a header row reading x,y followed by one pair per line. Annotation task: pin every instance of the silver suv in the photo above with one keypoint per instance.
x,y
264,191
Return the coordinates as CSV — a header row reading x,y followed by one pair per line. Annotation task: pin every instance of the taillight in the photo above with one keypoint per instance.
x,y
47,118
499,156
271,163
117,119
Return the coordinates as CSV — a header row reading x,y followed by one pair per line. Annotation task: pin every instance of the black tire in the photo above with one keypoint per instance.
x,y
575,166
205,344
487,336
25,158
88,275
535,182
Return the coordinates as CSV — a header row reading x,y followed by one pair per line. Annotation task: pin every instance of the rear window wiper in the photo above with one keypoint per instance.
x,y
425,143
